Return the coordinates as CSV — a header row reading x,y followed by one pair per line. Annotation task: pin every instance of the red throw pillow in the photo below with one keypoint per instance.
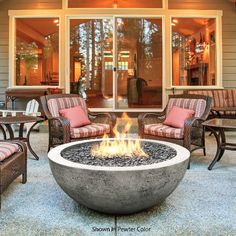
x,y
177,116
76,116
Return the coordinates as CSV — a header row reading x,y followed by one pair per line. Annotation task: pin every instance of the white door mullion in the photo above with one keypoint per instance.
x,y
114,64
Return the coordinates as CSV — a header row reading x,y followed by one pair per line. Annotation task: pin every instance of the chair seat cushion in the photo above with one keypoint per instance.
x,y
94,129
177,116
76,116
7,149
164,131
227,113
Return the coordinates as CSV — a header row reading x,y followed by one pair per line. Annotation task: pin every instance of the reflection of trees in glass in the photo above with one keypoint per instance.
x,y
88,41
181,48
26,55
142,36
50,47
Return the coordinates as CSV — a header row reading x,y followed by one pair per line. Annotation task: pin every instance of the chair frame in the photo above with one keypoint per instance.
x,y
62,135
193,130
13,166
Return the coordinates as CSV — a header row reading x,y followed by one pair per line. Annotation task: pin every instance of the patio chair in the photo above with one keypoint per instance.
x,y
32,108
60,128
13,163
191,135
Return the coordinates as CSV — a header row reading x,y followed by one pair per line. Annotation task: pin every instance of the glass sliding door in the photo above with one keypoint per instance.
x,y
119,54
138,62
91,61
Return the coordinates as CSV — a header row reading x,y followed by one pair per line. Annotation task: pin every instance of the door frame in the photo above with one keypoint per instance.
x,y
115,61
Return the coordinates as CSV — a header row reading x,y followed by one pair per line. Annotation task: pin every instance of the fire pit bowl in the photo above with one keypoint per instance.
x,y
115,189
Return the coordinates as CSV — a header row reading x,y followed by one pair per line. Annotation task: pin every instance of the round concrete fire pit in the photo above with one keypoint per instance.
x,y
119,190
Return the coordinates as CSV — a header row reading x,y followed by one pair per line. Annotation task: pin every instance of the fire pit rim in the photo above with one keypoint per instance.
x,y
55,156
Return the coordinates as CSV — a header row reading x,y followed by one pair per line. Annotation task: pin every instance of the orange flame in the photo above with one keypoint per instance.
x,y
121,145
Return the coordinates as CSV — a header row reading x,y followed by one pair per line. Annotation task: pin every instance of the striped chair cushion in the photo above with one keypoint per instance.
x,y
7,149
198,105
219,97
228,113
164,131
94,129
56,104
230,95
208,93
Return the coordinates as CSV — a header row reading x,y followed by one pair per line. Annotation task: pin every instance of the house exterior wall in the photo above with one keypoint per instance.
x,y
228,31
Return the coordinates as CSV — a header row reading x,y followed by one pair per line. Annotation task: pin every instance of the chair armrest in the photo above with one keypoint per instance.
x,y
59,127
193,121
150,118
104,117
32,113
62,120
189,125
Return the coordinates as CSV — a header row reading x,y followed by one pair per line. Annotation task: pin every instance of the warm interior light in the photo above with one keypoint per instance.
x,y
121,146
175,21
114,4
56,21
120,22
124,54
173,24
107,53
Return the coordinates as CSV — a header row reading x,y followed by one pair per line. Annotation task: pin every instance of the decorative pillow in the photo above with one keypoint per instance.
x,y
177,116
76,116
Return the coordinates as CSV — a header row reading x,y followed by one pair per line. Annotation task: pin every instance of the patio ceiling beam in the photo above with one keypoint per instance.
x,y
28,32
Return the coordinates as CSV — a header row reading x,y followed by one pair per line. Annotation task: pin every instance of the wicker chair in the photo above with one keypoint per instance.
x,y
191,136
59,127
12,165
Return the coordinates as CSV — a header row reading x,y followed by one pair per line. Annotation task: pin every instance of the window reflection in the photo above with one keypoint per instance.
x,y
193,51
115,4
37,51
91,61
139,57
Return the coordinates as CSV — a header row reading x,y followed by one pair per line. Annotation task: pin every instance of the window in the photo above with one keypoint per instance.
x,y
193,51
117,59
115,4
37,51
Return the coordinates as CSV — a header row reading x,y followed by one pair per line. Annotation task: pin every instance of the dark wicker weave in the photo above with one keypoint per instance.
x,y
13,166
193,130
59,127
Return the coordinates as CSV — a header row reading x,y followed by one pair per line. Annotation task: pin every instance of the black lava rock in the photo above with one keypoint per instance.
x,y
81,153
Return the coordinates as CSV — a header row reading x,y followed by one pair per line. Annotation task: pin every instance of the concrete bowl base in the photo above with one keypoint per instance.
x,y
119,190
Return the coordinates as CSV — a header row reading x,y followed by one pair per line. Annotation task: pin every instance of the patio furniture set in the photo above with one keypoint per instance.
x,y
223,102
183,121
